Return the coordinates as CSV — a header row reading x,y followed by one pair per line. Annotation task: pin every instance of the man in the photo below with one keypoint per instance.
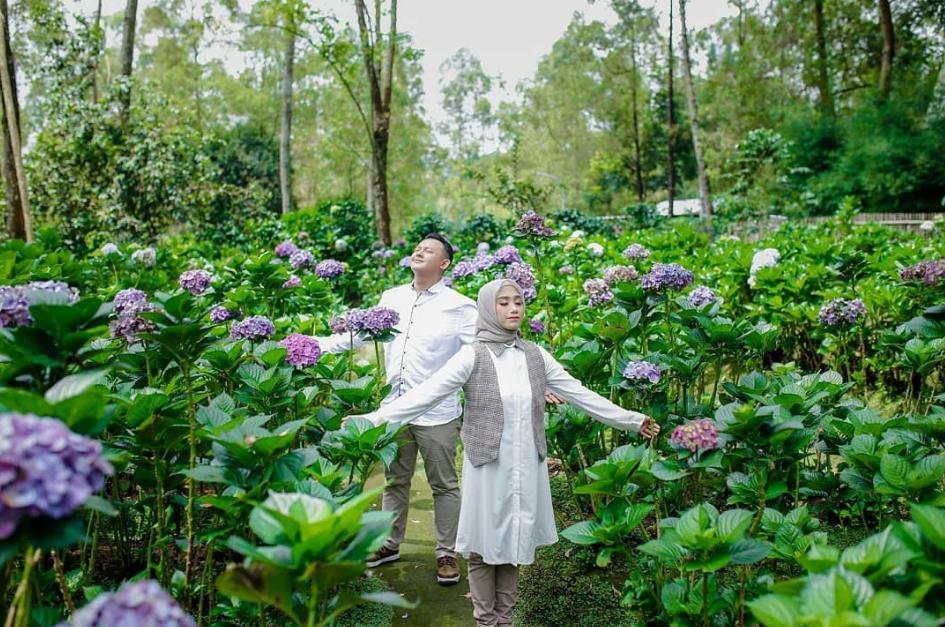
x,y
435,321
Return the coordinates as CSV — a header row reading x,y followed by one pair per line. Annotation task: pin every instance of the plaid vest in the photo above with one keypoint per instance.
x,y
483,417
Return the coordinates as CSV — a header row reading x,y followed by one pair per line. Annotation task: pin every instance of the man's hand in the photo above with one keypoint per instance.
x,y
650,428
551,399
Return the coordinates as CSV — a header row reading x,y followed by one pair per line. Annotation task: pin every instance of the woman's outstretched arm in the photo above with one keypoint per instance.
x,y
591,403
418,401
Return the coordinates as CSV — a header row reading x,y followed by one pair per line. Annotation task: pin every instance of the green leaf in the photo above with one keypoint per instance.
x,y
748,551
388,598
583,532
895,470
732,524
668,551
931,520
774,610
206,474
100,505
74,384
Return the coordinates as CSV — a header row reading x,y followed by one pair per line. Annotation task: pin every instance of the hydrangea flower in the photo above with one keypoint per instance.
x,y
696,435
566,269
286,248
338,324
384,253
301,259
574,240
254,328
841,312
110,249
303,350
341,245
767,258
507,254
521,273
195,281
374,321
220,314
598,291
595,250
56,287
536,326
666,276
404,261
329,269
533,224
145,256
139,603
45,469
620,274
129,324
483,248
641,370
14,307
463,269
636,251
483,261
701,296
931,272
291,282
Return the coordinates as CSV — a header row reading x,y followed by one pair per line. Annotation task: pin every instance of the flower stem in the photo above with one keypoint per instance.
x,y
191,484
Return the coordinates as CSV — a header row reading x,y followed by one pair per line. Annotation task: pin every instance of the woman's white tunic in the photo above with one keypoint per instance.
x,y
506,505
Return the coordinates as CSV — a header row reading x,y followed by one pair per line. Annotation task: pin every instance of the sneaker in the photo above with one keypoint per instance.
x,y
383,556
447,570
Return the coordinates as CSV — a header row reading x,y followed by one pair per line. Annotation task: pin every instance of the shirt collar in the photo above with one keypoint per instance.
x,y
436,288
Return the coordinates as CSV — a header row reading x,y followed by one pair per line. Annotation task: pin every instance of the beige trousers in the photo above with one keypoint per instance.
x,y
494,591
437,445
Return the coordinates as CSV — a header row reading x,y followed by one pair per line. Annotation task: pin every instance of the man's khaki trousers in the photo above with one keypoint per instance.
x,y
494,591
437,446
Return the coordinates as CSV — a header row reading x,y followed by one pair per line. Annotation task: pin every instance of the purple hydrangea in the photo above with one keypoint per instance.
x,y
521,273
220,314
666,276
56,287
291,282
533,224
536,326
195,281
301,259
841,312
129,324
620,274
404,261
45,469
598,291
374,321
329,269
640,371
701,296
303,350
507,254
139,603
286,248
145,257
482,247
636,251
463,269
696,435
567,270
14,306
384,254
254,328
338,324
931,272
483,261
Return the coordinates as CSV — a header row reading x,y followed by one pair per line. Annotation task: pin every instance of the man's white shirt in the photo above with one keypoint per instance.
x,y
434,324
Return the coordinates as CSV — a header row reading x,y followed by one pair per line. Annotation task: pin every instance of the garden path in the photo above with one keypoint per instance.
x,y
414,574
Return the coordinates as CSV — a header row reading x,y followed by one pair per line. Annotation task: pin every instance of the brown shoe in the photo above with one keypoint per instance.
x,y
383,556
447,570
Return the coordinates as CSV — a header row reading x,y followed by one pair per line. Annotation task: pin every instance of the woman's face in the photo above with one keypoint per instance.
x,y
509,308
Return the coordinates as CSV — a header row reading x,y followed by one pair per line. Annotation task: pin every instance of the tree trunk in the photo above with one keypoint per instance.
x,y
671,120
98,53
285,137
823,79
19,220
380,82
694,121
636,124
889,48
128,50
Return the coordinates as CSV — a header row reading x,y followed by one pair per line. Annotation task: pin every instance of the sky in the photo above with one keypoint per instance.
x,y
508,36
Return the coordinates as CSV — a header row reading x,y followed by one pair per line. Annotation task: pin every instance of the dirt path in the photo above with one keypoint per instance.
x,y
414,574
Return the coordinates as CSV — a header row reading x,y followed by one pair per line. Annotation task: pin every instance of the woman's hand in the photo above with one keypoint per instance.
x,y
650,428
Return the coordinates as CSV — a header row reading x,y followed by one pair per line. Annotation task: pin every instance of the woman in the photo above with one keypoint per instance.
x,y
506,509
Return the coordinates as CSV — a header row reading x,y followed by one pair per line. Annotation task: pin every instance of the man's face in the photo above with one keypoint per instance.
x,y
429,256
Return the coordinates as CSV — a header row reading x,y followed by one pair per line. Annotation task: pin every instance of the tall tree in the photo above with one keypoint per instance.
x,y
629,12
128,48
670,119
19,220
285,133
823,77
694,120
889,48
378,59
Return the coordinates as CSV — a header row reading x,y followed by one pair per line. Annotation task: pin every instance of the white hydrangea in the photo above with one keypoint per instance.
x,y
341,245
767,258
595,249
145,256
110,249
